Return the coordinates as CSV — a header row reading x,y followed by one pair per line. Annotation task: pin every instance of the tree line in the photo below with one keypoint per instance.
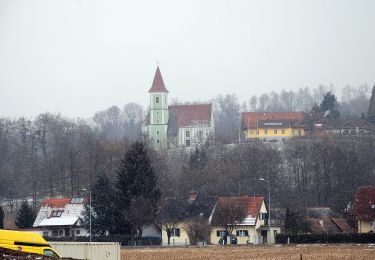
x,y
306,172
52,155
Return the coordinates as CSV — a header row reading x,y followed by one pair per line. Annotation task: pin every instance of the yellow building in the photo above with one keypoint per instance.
x,y
253,229
273,126
179,236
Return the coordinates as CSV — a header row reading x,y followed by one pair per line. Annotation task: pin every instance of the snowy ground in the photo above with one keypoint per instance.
x,y
253,252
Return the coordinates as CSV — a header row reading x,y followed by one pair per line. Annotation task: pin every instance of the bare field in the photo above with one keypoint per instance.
x,y
253,252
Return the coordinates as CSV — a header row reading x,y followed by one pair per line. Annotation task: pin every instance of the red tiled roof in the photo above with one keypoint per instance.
x,y
191,115
314,225
250,119
252,204
56,202
158,83
343,225
330,225
364,203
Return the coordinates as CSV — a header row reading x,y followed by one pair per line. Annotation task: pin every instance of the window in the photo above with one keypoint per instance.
x,y
265,131
242,233
45,233
283,131
76,200
78,232
157,132
61,232
56,213
49,252
158,141
257,132
220,233
55,233
263,216
157,100
275,131
175,232
187,142
187,133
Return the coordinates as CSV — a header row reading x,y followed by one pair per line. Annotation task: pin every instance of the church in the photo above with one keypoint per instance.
x,y
173,126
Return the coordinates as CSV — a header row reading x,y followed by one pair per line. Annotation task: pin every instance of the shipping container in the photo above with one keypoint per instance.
x,y
88,251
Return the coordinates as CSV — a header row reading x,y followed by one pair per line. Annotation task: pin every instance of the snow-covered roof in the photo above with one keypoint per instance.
x,y
248,221
60,212
67,221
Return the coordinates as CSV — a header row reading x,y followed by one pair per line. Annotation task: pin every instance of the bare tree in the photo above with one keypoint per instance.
x,y
227,216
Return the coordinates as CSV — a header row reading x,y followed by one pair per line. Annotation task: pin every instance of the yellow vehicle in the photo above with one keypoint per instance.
x,y
29,242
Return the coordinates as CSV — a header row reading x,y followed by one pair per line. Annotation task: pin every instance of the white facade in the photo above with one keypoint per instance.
x,y
62,219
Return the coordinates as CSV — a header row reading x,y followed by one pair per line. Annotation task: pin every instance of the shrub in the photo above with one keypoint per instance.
x,y
326,238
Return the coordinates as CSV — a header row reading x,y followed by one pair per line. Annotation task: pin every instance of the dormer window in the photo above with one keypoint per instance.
x,y
157,100
56,213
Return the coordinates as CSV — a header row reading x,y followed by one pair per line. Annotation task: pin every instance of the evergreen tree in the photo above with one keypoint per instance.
x,y
330,105
295,222
1,218
198,158
103,207
138,191
25,216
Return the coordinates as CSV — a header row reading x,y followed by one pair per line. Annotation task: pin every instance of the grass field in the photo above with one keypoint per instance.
x,y
253,252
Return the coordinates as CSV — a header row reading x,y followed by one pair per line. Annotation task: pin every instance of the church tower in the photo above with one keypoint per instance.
x,y
158,112
371,109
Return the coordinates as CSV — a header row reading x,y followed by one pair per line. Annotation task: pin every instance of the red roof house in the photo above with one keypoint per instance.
x,y
252,119
364,208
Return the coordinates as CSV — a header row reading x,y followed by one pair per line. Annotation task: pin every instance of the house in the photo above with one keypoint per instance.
x,y
196,209
324,220
273,126
364,209
253,229
178,125
348,127
61,217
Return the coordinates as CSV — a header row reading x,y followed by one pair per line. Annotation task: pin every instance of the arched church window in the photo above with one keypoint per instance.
x,y
157,100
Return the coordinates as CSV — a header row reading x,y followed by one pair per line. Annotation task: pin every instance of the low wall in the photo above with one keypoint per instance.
x,y
87,250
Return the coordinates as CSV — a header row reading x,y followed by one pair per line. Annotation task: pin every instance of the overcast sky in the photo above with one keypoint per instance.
x,y
80,56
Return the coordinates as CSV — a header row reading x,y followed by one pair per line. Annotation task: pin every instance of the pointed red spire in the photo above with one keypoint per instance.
x,y
158,83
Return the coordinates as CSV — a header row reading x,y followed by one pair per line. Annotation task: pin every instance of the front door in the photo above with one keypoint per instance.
x,y
263,233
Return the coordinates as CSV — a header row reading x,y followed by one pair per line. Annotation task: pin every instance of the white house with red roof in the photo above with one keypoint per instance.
x,y
253,229
178,125
61,217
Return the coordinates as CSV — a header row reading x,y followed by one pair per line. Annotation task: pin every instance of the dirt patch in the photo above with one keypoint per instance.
x,y
7,254
308,252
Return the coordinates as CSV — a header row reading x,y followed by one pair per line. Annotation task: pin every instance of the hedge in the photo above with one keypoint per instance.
x,y
122,239
365,238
